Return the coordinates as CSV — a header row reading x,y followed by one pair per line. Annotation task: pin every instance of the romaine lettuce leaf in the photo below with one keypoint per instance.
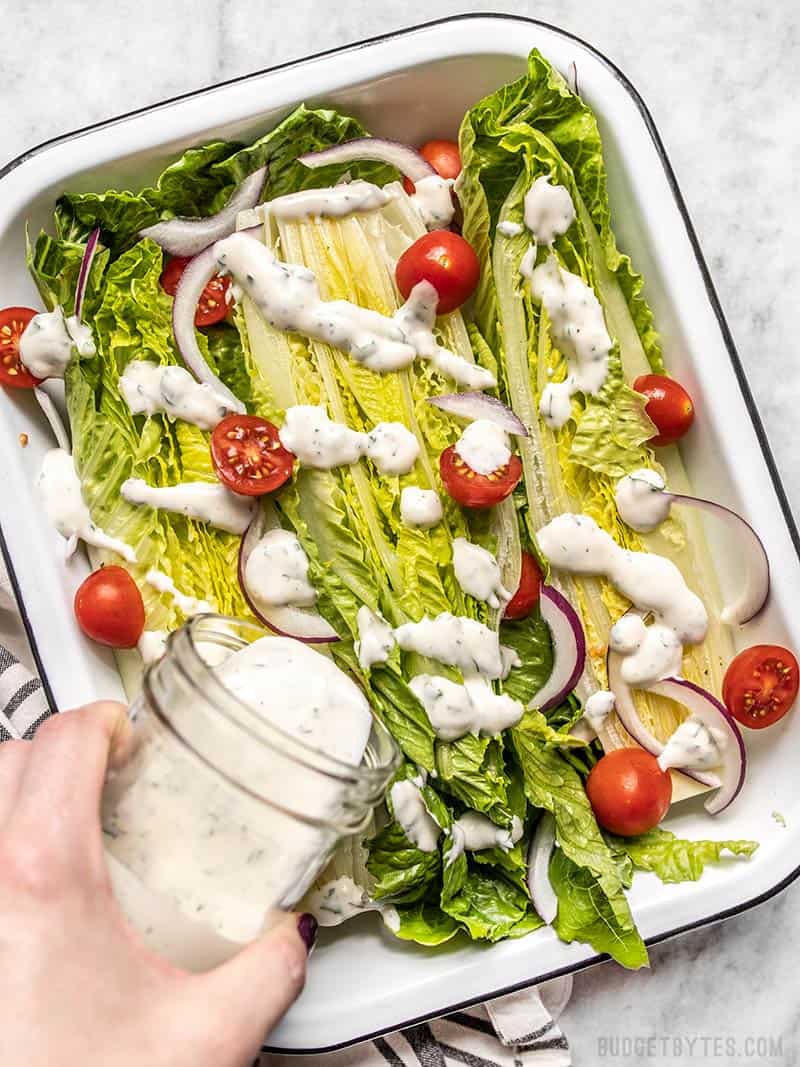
x,y
203,178
585,913
490,908
425,923
674,859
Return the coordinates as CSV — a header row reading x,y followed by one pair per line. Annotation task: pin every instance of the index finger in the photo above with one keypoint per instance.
x,y
69,756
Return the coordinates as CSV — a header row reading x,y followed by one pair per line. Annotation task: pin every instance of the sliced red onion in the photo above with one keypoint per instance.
x,y
402,156
188,236
53,416
541,849
569,649
85,270
702,705
713,714
190,288
287,621
480,406
755,594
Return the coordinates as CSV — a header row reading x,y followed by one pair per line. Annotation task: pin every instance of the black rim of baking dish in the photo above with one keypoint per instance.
x,y
732,354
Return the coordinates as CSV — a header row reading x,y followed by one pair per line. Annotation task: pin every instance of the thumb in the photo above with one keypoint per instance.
x,y
252,991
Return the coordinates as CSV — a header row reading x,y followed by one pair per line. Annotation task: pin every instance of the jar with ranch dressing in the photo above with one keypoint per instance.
x,y
254,757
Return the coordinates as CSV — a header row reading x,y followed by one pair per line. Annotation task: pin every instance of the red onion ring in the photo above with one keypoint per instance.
x,y
183,236
85,270
569,649
481,406
286,621
757,578
402,156
190,288
539,885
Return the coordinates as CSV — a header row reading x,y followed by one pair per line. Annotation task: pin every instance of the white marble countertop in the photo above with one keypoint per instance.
x,y
718,78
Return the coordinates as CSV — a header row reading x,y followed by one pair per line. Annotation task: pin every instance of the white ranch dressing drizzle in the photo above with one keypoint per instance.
x,y
509,228
483,446
203,501
319,442
409,809
475,832
433,199
579,332
653,584
151,388
694,744
189,605
549,211
472,708
338,900
420,508
598,707
335,202
276,572
287,296
152,645
45,347
60,489
641,501
375,638
478,573
459,642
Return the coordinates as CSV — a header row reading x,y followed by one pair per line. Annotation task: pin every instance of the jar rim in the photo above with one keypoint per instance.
x,y
200,673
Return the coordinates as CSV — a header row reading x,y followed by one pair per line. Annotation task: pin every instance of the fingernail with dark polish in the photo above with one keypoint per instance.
x,y
307,927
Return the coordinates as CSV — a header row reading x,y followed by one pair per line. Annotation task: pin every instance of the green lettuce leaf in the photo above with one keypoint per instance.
x,y
674,859
490,908
425,923
585,913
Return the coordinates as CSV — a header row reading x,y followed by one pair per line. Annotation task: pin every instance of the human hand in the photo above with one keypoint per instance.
x,y
79,988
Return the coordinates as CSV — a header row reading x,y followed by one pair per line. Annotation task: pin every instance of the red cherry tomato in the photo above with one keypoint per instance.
x,y
628,791
445,260
527,595
109,608
669,406
443,156
760,685
12,326
248,455
213,305
473,490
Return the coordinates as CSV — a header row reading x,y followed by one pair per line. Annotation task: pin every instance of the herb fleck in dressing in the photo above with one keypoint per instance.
x,y
45,347
277,571
420,508
472,708
478,573
641,500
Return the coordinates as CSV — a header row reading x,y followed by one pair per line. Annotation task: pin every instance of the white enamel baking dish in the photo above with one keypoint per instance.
x,y
413,85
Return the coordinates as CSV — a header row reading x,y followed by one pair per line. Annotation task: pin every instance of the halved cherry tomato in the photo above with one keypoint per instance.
x,y
109,608
473,490
443,156
213,304
445,260
760,685
669,406
248,455
12,326
530,580
628,791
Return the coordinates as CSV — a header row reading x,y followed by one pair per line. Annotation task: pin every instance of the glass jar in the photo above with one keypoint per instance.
x,y
219,809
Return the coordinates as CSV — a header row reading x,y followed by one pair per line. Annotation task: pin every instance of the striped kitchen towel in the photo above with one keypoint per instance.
x,y
519,1030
